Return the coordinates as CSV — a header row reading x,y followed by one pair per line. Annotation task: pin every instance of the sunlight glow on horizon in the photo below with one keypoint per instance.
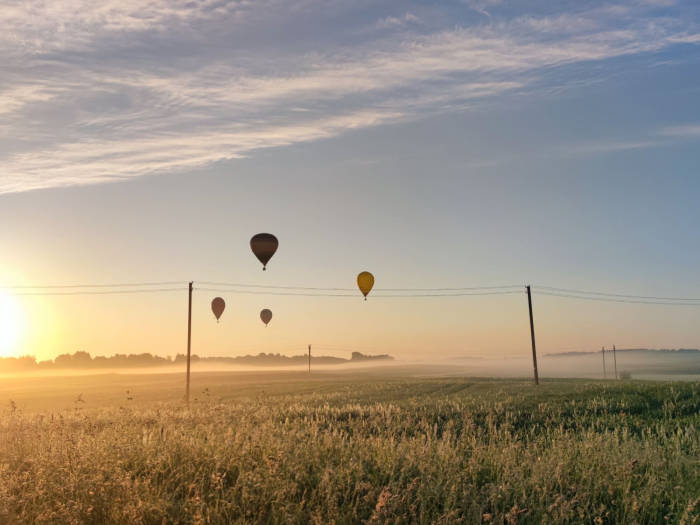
x,y
11,325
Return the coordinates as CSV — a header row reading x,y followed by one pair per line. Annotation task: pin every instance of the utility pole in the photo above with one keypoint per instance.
x,y
189,341
309,359
605,374
532,335
615,361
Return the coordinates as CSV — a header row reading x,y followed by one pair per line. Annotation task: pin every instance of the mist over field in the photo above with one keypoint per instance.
x,y
636,363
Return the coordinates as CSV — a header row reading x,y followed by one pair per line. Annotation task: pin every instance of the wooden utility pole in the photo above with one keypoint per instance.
x,y
532,335
615,361
605,374
189,341
309,359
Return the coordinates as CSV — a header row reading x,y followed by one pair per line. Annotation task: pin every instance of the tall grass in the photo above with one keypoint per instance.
x,y
414,451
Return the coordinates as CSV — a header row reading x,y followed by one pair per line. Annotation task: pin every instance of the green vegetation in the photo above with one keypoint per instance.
x,y
358,449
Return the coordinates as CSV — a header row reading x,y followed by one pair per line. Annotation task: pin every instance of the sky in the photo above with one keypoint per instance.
x,y
461,143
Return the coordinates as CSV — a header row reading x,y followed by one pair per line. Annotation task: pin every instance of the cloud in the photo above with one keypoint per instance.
x,y
98,92
658,3
686,39
607,146
36,26
482,6
397,21
685,131
94,161
16,97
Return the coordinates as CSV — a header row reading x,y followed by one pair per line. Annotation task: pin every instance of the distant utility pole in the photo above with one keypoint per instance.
x,y
532,335
605,374
189,340
309,359
615,361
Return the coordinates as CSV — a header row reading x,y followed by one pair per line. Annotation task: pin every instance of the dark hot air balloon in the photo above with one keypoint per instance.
x,y
217,306
264,246
266,316
365,281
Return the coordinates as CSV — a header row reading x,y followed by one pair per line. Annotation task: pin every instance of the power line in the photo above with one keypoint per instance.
x,y
101,292
626,296
460,294
266,286
305,294
112,285
612,300
309,291
253,292
241,285
449,289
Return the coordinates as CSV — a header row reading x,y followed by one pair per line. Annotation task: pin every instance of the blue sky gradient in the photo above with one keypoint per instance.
x,y
435,144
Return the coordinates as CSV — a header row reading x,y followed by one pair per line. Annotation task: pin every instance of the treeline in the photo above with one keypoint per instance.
x,y
85,360
641,351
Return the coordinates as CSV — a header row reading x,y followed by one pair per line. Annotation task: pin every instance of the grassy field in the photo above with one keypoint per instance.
x,y
347,448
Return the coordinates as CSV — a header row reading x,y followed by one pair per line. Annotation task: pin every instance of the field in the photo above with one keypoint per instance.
x,y
361,447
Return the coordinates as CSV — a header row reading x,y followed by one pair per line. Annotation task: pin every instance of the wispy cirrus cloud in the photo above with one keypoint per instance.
x,y
482,6
93,93
94,161
398,21
38,26
684,131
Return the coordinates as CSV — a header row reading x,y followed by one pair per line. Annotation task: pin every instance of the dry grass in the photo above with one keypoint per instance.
x,y
396,451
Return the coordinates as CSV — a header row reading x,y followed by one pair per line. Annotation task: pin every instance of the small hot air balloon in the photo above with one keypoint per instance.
x,y
217,306
365,281
264,246
266,316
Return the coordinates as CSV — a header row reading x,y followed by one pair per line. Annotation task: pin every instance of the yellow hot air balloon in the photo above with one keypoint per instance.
x,y
365,281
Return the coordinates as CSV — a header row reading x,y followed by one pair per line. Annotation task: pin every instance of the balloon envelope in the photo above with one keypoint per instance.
x,y
365,281
217,306
264,246
266,316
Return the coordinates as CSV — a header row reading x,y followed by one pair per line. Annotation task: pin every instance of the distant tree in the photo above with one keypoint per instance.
x,y
359,356
63,360
81,359
25,362
182,358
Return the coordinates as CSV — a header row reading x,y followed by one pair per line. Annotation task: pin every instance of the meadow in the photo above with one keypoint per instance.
x,y
361,447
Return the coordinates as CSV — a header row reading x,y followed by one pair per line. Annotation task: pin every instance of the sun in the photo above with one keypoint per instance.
x,y
11,321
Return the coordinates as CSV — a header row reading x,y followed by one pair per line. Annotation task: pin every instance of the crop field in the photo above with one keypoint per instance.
x,y
347,448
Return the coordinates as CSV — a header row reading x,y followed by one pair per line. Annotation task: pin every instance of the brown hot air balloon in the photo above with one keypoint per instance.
x,y
266,316
264,246
217,306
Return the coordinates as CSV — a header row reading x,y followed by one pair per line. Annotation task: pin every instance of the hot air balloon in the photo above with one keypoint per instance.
x,y
264,246
266,316
217,306
365,281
